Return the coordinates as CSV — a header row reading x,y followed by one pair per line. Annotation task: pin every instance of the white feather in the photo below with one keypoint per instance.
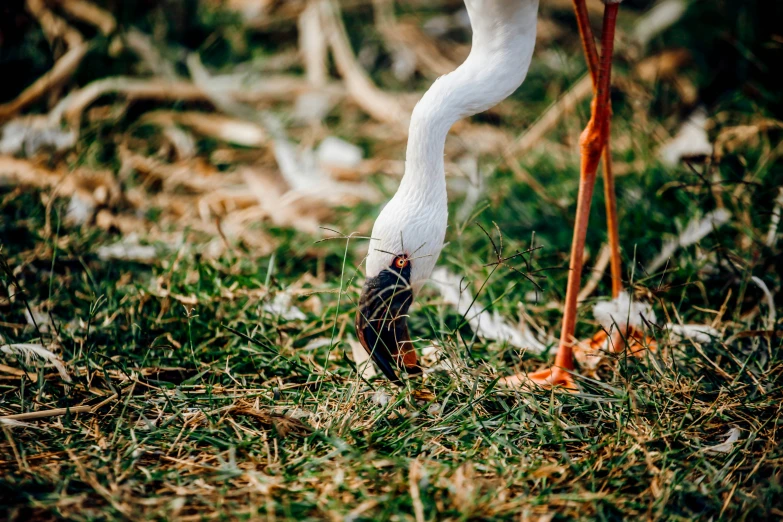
x,y
623,312
487,325
32,351
699,333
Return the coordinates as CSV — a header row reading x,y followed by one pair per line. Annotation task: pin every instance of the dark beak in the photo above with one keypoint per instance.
x,y
382,324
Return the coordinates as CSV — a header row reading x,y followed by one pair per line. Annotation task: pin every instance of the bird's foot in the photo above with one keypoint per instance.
x,y
545,378
590,354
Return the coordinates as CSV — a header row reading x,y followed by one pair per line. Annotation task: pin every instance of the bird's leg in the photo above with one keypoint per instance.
x,y
592,143
611,221
588,42
591,57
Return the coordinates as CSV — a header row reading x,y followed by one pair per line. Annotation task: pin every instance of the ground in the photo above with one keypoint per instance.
x,y
206,328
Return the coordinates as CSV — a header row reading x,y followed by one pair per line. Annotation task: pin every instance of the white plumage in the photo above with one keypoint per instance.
x,y
414,221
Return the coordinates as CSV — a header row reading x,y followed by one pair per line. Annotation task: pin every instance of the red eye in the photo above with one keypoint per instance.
x,y
400,262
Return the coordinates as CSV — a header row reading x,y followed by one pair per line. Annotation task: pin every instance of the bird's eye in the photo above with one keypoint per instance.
x,y
400,262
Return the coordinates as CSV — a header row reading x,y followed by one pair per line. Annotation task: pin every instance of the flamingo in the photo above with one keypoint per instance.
x,y
409,233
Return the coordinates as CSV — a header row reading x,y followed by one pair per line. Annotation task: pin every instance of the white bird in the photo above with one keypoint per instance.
x,y
410,231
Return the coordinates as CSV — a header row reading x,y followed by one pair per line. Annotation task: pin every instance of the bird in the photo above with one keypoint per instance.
x,y
409,233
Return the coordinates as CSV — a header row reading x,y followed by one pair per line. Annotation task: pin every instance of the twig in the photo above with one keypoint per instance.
x,y
414,476
552,116
62,70
25,173
52,25
91,14
64,67
375,102
57,412
72,106
312,44
149,53
217,126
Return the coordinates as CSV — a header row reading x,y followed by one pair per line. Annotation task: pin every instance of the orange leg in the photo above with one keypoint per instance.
x,y
592,143
591,56
611,221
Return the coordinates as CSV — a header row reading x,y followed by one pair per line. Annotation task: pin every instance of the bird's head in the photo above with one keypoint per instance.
x,y
406,241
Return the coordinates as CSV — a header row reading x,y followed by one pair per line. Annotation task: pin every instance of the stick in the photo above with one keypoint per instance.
x,y
54,27
72,106
312,44
91,14
57,412
375,102
552,116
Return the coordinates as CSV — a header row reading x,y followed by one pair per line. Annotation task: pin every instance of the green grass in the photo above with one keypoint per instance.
x,y
214,407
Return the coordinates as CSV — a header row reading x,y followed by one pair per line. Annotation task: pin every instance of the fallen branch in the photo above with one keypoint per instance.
x,y
694,232
552,116
375,102
216,126
312,44
64,67
90,14
274,88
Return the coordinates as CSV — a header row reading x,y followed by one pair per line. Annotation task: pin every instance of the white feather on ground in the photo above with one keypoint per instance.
x,y
700,333
337,153
690,141
312,106
772,316
13,423
36,351
29,134
695,231
281,306
658,19
726,446
487,325
622,312
128,249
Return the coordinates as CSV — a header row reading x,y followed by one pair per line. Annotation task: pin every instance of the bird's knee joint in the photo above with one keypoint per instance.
x,y
591,142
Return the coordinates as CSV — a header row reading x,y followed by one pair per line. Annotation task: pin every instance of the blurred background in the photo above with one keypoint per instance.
x,y
261,126
242,129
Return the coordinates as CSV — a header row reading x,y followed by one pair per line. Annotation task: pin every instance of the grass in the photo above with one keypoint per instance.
x,y
214,405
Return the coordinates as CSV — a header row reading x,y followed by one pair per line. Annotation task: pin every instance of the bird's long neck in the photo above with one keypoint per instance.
x,y
504,33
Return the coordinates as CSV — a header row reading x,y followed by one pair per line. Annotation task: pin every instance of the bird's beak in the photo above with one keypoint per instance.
x,y
382,324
